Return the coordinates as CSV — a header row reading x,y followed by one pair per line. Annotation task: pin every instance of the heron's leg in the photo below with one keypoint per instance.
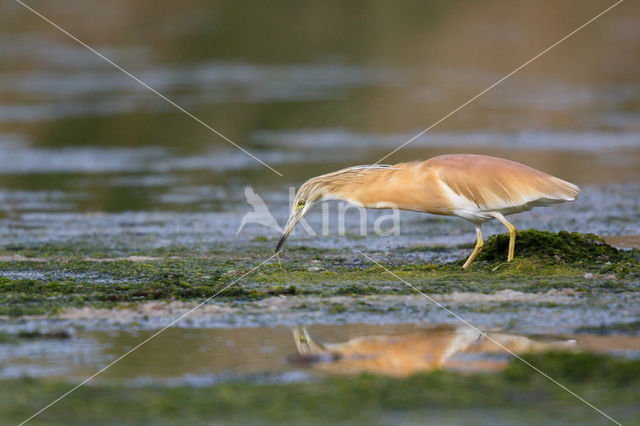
x,y
306,345
512,233
476,249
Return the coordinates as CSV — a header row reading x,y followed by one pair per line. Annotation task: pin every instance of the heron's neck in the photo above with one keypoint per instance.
x,y
406,186
371,188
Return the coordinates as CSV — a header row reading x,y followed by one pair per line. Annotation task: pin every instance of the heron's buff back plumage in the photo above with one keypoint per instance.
x,y
495,183
441,184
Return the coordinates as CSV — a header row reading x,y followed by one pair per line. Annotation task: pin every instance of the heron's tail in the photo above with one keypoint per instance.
x,y
567,190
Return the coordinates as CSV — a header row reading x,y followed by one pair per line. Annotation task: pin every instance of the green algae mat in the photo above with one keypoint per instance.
x,y
46,283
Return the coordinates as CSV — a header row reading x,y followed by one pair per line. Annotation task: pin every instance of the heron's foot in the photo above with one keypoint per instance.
x,y
472,257
512,243
476,250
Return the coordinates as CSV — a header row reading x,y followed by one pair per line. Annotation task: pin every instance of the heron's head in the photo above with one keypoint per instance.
x,y
312,191
339,185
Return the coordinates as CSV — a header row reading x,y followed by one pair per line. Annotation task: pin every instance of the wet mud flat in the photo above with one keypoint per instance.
x,y
326,324
575,266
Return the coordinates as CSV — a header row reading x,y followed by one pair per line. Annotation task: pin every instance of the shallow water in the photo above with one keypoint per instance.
x,y
204,356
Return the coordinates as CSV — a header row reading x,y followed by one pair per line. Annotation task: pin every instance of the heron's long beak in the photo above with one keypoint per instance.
x,y
291,223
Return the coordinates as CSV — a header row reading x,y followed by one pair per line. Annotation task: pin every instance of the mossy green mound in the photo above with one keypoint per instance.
x,y
563,247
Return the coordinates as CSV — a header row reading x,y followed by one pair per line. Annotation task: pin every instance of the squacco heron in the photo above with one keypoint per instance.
x,y
477,188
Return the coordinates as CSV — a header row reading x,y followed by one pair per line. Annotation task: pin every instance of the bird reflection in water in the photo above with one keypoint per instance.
x,y
459,348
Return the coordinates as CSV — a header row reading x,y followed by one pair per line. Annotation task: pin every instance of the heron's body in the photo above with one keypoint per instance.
x,y
477,188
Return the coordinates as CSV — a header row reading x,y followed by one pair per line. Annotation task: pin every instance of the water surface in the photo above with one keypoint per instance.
x,y
203,356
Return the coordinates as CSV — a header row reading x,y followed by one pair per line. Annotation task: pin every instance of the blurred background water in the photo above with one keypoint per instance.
x,y
308,87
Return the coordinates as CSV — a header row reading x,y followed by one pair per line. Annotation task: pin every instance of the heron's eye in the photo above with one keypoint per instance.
x,y
300,203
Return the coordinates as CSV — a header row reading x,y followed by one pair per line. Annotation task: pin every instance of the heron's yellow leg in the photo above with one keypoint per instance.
x,y
476,249
512,234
